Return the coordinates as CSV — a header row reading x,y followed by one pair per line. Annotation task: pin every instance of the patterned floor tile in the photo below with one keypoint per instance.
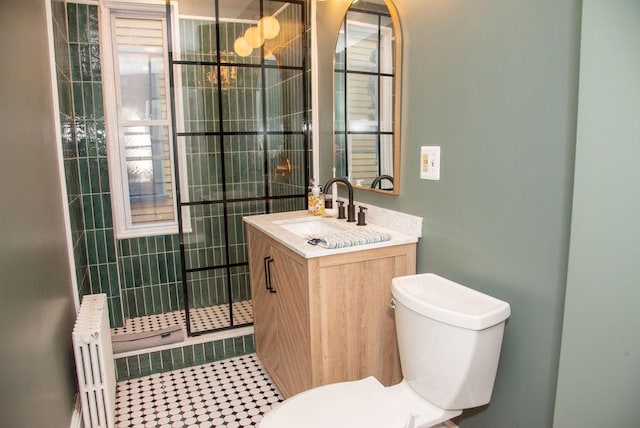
x,y
202,319
231,393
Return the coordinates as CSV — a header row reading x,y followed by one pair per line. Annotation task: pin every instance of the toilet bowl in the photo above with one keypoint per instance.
x,y
449,339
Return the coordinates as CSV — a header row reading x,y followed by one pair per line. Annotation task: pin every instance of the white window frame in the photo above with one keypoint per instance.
x,y
118,177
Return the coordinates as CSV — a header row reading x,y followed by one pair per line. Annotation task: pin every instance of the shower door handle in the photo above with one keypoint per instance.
x,y
267,274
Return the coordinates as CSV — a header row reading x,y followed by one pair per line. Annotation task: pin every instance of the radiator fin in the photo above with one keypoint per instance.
x,y
94,362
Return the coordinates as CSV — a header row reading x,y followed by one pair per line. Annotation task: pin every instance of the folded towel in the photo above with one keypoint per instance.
x,y
350,238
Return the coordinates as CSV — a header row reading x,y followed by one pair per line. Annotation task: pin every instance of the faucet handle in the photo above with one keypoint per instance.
x,y
361,221
341,214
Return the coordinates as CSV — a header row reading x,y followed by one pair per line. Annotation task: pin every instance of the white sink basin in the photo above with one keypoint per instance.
x,y
308,227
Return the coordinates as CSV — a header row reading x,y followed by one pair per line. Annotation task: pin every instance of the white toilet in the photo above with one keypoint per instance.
x,y
449,339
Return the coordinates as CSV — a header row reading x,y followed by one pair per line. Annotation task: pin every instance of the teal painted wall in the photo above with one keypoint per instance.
x,y
599,378
37,378
494,83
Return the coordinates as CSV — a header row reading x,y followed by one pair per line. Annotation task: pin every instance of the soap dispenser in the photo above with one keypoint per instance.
x,y
315,200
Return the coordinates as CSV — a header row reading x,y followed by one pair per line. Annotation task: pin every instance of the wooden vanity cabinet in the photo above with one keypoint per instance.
x,y
325,319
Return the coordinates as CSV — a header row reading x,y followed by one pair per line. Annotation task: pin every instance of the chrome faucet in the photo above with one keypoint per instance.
x,y
351,209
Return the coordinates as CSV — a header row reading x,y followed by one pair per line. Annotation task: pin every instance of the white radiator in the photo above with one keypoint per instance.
x,y
94,362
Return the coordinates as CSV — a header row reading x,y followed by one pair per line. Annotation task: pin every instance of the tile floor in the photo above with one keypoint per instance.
x,y
202,319
231,393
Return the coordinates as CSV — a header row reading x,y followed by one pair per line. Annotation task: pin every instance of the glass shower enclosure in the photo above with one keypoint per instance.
x,y
239,79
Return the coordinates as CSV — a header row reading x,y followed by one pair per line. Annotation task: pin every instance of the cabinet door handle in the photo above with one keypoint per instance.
x,y
267,271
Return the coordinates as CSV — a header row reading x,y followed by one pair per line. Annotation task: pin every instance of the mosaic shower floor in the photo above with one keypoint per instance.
x,y
202,319
231,393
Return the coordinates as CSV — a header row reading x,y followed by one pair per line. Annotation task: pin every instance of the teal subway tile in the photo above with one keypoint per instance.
x,y
145,271
90,236
87,208
199,354
85,181
145,364
105,285
101,246
156,362
83,23
153,270
139,301
94,33
94,175
135,270
76,68
238,346
229,350
94,275
187,352
249,345
157,300
106,211
111,244
219,349
178,358
96,201
133,243
167,360
114,286
152,246
72,14
103,168
159,244
115,312
126,272
148,300
209,352
87,88
134,366
142,245
125,249
82,145
122,370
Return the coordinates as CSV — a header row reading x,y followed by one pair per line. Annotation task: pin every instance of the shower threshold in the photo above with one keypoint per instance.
x,y
202,319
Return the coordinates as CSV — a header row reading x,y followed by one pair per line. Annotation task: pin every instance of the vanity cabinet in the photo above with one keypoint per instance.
x,y
325,319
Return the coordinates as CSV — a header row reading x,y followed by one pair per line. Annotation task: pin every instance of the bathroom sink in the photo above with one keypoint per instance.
x,y
308,227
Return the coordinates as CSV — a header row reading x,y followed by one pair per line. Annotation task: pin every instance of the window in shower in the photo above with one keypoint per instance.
x,y
239,76
141,155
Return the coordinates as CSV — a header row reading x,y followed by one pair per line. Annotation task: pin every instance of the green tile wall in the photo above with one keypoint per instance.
x,y
142,276
181,357
69,144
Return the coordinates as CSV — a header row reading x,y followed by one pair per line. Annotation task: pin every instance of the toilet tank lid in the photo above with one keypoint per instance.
x,y
449,302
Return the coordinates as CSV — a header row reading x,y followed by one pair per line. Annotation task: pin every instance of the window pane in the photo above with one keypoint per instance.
x,y
364,158
149,173
241,102
285,98
362,102
362,42
141,68
198,90
387,46
387,103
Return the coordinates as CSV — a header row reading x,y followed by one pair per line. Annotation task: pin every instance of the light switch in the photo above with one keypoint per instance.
x,y
430,163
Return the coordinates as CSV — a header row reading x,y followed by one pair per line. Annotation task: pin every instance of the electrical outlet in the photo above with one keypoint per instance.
x,y
430,163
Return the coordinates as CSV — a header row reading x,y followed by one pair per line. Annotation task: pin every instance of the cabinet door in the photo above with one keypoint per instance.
x,y
264,302
289,279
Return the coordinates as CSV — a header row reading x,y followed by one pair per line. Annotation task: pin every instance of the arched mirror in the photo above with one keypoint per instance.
x,y
367,97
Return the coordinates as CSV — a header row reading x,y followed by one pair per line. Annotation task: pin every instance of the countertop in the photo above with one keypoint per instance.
x,y
265,223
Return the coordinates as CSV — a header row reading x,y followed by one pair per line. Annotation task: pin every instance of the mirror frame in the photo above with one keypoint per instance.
x,y
397,92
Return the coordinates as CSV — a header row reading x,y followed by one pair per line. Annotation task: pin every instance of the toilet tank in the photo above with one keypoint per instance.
x,y
449,338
